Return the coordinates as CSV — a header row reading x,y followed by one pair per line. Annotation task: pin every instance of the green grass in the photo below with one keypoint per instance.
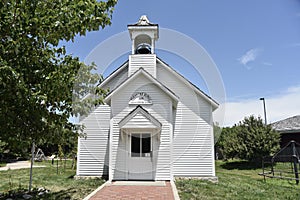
x,y
2,164
61,185
238,180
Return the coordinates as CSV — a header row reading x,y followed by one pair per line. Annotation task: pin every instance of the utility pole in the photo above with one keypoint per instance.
x,y
265,113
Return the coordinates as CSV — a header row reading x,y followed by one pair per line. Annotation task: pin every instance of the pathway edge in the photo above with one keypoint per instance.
x,y
96,190
175,191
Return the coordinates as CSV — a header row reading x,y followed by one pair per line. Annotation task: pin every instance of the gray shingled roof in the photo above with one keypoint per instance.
x,y
291,124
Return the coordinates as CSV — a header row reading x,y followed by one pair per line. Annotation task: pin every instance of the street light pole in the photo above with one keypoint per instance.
x,y
263,99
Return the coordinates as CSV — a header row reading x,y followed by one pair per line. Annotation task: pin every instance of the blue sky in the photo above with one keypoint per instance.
x,y
255,45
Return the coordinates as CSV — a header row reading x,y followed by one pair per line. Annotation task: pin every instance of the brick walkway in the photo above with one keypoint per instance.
x,y
135,192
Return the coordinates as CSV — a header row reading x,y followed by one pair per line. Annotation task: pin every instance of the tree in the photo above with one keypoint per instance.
x,y
36,74
228,142
257,139
251,139
217,132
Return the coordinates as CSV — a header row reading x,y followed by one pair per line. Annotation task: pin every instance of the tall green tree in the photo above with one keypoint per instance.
x,y
257,139
36,74
250,139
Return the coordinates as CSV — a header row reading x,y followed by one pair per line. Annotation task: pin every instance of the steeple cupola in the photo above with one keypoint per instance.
x,y
143,35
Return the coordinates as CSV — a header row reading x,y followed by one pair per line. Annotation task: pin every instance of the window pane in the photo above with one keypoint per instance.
x,y
146,145
135,145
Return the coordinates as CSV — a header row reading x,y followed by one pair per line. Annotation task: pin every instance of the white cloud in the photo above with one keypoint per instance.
x,y
267,64
249,56
282,106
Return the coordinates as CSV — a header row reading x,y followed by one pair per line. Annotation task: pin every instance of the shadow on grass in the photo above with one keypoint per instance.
x,y
71,177
19,193
63,194
241,165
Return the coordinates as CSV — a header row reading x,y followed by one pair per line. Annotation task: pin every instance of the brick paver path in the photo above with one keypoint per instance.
x,y
135,192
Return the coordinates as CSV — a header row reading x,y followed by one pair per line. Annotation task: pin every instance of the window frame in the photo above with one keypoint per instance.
x,y
141,154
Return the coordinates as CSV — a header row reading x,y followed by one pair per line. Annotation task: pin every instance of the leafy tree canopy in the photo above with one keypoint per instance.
x,y
36,74
251,139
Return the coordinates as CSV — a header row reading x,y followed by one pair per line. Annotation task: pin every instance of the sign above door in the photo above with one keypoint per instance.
x,y
140,98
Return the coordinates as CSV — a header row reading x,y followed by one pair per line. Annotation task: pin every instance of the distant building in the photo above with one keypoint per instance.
x,y
289,129
155,124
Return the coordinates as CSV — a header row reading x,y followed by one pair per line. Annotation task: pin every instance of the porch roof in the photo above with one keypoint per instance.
x,y
139,118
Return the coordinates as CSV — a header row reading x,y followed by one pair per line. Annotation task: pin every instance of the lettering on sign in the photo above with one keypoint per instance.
x,y
140,98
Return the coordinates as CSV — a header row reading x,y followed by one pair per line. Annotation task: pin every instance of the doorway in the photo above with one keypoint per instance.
x,y
140,156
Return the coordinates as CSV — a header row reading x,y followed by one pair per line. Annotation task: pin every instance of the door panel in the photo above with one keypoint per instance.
x,y
140,160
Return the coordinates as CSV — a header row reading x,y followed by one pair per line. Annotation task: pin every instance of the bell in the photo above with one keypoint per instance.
x,y
143,49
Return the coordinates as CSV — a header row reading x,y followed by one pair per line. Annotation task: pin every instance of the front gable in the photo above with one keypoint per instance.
x,y
150,79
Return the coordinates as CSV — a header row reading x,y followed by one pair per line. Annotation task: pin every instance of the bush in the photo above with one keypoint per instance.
x,y
251,139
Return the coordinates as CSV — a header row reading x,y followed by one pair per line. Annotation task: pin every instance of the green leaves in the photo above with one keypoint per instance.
x,y
250,140
36,76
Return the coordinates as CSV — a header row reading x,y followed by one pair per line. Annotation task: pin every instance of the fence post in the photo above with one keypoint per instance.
x,y
31,165
295,160
263,168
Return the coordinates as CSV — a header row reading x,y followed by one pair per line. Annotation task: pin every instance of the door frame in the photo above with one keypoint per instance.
x,y
153,147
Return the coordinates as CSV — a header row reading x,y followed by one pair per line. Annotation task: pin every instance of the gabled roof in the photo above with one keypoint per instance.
x,y
289,125
170,69
214,104
141,71
143,117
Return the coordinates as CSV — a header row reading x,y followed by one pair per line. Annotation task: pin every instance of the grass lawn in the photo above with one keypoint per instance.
x,y
238,180
2,164
61,185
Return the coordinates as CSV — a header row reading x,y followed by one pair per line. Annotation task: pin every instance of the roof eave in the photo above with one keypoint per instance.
x,y
113,74
213,103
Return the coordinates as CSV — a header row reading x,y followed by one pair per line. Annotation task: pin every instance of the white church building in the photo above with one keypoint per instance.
x,y
155,124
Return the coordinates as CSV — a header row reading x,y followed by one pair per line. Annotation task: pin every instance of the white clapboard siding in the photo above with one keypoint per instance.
x,y
192,140
92,158
119,153
139,121
185,145
117,78
160,109
146,61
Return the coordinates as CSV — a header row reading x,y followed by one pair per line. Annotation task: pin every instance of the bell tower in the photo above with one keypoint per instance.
x,y
143,35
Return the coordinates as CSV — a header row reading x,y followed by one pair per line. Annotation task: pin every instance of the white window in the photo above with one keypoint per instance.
x,y
141,145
